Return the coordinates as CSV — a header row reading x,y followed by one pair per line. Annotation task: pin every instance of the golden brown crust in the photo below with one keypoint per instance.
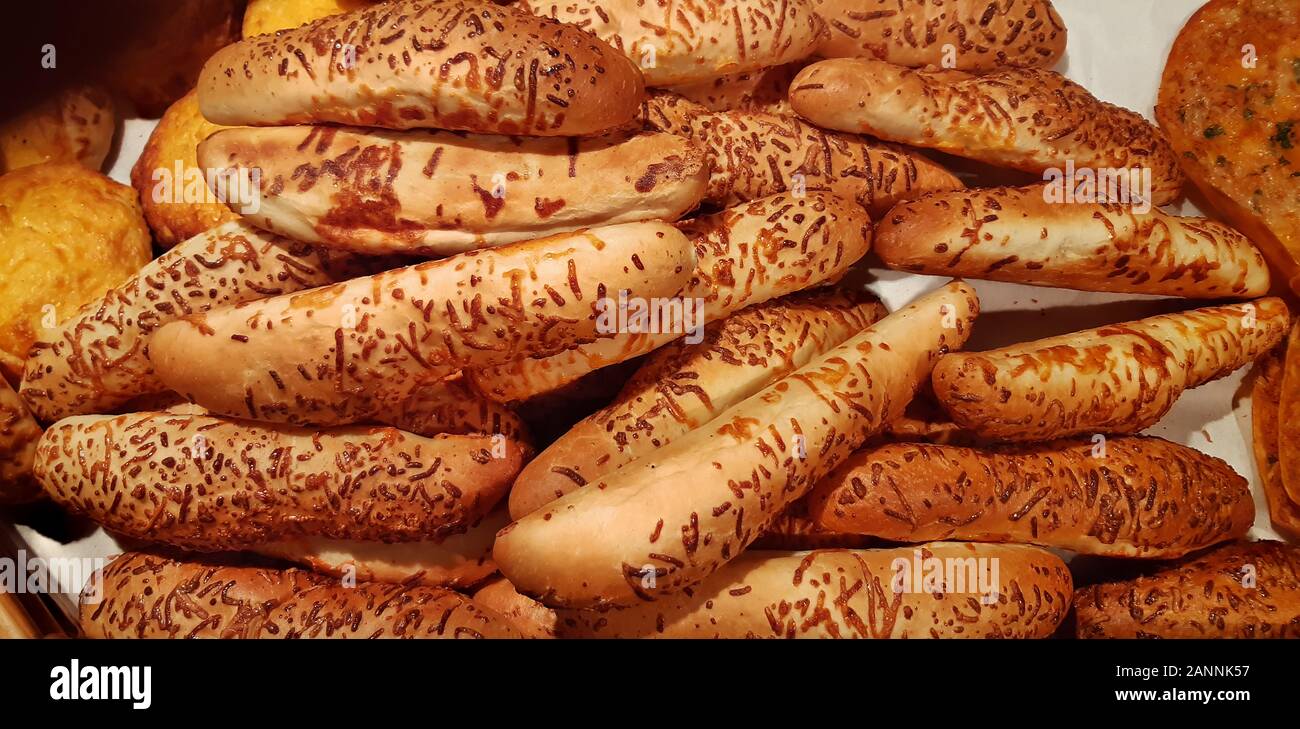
x,y
1021,235
697,40
140,595
268,16
676,516
1119,378
1121,497
443,64
753,155
745,255
19,434
1026,119
983,35
441,193
362,347
72,125
97,360
683,386
1025,593
1228,104
1265,442
204,483
69,234
1240,590
164,176
531,618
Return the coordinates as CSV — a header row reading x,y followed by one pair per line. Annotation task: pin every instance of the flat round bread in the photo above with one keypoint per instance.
x,y
1230,105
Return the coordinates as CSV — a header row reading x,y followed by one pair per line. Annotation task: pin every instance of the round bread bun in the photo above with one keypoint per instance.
x,y
165,170
69,234
268,16
73,125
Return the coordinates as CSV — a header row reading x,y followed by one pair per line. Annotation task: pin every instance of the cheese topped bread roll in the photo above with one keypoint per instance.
x,y
441,193
1023,118
1119,378
470,66
694,40
968,35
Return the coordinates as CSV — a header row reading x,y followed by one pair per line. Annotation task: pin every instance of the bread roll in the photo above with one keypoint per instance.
x,y
444,64
1022,235
440,193
361,348
531,618
667,521
1266,393
765,90
683,386
71,125
745,255
140,595
995,591
177,200
68,235
697,40
1027,119
969,35
208,484
754,155
1119,378
1241,590
19,433
97,360
1119,497
459,561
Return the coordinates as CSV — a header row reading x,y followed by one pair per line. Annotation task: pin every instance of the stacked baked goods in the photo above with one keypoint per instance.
x,y
429,216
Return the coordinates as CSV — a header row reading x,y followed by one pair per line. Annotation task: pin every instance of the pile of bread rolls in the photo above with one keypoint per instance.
x,y
313,406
